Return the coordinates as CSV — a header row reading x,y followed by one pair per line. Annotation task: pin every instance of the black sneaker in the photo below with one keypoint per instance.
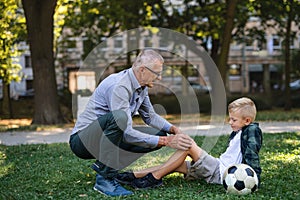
x,y
147,182
96,166
125,178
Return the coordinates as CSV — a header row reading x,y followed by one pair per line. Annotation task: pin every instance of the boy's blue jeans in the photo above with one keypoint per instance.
x,y
103,140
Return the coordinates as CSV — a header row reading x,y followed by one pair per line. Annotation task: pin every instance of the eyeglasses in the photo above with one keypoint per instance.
x,y
158,74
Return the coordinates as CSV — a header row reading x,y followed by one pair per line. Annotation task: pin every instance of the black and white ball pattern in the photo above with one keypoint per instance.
x,y
240,179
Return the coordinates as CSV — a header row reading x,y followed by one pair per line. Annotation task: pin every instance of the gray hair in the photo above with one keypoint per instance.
x,y
147,58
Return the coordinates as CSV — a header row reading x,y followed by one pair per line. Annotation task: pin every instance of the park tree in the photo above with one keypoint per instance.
x,y
282,15
177,16
12,26
40,23
295,63
200,20
96,20
216,21
207,22
226,39
220,22
182,16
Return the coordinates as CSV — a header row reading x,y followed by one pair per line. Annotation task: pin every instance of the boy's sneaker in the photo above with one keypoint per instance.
x,y
125,178
110,187
147,182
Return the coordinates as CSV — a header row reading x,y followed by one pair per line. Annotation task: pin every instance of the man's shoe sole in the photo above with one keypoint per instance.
x,y
100,191
123,195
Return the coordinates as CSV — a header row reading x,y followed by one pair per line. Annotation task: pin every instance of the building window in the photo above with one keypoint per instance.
x,y
249,43
276,42
163,43
292,43
132,40
147,42
27,62
259,45
29,84
103,45
118,43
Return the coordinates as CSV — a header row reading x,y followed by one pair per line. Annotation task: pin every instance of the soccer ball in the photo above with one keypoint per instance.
x,y
240,179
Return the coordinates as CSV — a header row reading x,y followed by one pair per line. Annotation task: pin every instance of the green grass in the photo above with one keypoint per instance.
x,y
53,172
278,115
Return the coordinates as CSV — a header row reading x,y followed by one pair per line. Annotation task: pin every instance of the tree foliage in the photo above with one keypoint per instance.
x,y
102,19
12,27
282,15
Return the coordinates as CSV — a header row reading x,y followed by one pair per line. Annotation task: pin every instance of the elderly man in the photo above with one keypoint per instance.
x,y
104,130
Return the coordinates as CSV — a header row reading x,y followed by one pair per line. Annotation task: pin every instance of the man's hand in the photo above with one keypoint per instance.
x,y
179,141
175,130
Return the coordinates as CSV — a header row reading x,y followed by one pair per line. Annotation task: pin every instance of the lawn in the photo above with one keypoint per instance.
x,y
53,172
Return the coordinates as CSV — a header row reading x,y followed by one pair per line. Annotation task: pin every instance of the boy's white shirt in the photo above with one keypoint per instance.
x,y
232,155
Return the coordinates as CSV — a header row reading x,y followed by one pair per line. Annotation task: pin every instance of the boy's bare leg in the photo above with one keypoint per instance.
x,y
176,163
176,160
195,152
144,172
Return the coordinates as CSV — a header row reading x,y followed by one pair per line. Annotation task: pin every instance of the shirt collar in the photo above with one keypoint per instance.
x,y
136,86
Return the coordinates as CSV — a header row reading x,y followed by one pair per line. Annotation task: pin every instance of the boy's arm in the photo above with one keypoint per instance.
x,y
251,146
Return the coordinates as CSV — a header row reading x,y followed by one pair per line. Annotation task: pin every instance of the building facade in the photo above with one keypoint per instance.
x,y
252,66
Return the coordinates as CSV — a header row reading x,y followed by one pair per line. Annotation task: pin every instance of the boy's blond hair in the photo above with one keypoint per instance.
x,y
244,106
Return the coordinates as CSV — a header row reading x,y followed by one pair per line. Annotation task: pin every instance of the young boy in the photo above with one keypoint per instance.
x,y
244,144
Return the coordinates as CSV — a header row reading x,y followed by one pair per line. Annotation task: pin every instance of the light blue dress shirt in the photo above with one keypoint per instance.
x,y
121,91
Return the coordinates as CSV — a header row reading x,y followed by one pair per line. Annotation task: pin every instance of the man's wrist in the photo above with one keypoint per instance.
x,y
163,141
173,130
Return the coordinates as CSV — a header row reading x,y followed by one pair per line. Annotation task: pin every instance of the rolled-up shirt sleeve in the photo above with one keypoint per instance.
x,y
120,100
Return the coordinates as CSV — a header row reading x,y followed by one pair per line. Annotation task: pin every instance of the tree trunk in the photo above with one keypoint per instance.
x,y
39,21
215,49
288,103
226,39
6,101
266,83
